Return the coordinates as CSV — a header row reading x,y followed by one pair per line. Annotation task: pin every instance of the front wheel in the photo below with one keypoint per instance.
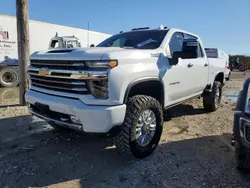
x,y
142,127
211,100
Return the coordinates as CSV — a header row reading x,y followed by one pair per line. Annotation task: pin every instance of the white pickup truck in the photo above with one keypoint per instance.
x,y
122,86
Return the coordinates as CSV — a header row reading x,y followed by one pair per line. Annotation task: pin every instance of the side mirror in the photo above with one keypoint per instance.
x,y
174,59
92,45
189,51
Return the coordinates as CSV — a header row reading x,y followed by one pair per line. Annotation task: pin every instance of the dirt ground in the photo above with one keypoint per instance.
x,y
194,151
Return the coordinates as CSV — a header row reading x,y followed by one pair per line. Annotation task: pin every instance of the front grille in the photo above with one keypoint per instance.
x,y
59,64
247,133
65,76
60,84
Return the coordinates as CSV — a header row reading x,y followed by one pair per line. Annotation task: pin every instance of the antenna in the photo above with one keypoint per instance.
x,y
88,36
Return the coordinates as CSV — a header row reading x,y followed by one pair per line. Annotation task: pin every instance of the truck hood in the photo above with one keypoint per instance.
x,y
95,53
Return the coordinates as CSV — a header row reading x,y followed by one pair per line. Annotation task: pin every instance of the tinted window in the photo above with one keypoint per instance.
x,y
199,49
138,39
176,42
211,53
187,36
54,44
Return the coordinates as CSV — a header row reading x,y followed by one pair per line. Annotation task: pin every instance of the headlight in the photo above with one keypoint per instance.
x,y
101,64
99,88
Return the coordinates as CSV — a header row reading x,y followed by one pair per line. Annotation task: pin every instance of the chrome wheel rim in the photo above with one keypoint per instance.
x,y
217,97
146,127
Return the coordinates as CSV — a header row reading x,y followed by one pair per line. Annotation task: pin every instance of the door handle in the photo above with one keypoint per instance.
x,y
206,64
190,65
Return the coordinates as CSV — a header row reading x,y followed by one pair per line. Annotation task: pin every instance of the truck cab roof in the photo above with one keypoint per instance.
x,y
141,29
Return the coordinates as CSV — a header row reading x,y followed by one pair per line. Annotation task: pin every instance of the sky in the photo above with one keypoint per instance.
x,y
224,24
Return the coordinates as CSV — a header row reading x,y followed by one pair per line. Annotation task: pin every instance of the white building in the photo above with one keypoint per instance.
x,y
40,34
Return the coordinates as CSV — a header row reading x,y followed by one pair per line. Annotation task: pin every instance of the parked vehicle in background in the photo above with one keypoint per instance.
x,y
9,73
241,128
122,86
234,62
242,68
40,37
222,58
64,42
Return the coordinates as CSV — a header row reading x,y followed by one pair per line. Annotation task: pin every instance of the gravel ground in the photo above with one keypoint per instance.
x,y
194,151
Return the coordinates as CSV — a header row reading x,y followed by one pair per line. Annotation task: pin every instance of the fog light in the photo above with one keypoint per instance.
x,y
75,120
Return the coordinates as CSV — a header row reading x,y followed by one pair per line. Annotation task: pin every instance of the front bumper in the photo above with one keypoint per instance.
x,y
242,129
94,119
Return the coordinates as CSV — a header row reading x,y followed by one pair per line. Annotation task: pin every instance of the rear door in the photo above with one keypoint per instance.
x,y
200,69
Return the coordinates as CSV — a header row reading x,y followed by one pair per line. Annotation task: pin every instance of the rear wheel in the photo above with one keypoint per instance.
x,y
9,76
211,100
142,127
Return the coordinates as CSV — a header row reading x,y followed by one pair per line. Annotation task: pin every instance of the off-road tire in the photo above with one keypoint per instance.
x,y
125,140
209,99
12,69
242,156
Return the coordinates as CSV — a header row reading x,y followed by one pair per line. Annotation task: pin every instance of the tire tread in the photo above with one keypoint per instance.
x,y
134,105
209,99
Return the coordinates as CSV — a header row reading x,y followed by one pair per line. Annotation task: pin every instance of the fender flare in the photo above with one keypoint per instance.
x,y
223,82
142,80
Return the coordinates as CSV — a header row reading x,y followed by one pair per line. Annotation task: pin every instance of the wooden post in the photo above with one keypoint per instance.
x,y
23,46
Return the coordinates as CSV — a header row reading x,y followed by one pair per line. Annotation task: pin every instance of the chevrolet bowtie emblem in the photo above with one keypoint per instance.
x,y
43,72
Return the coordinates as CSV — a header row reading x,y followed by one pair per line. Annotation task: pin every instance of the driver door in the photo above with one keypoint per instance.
x,y
178,78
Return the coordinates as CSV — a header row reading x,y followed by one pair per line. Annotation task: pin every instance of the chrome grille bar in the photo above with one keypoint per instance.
x,y
58,64
57,87
79,74
40,78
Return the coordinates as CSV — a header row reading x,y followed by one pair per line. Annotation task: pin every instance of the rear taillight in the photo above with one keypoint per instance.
x,y
227,67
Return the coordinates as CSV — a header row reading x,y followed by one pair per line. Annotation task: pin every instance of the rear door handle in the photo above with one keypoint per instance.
x,y
206,64
190,65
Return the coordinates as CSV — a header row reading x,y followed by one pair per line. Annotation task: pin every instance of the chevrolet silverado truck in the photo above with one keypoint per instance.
x,y
241,128
122,86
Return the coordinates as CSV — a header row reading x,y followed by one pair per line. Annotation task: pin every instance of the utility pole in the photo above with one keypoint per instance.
x,y
23,46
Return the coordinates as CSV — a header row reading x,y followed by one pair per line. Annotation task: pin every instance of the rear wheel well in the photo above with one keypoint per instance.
x,y
153,88
219,77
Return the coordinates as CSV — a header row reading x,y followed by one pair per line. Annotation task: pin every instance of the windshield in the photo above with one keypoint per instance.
x,y
139,39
